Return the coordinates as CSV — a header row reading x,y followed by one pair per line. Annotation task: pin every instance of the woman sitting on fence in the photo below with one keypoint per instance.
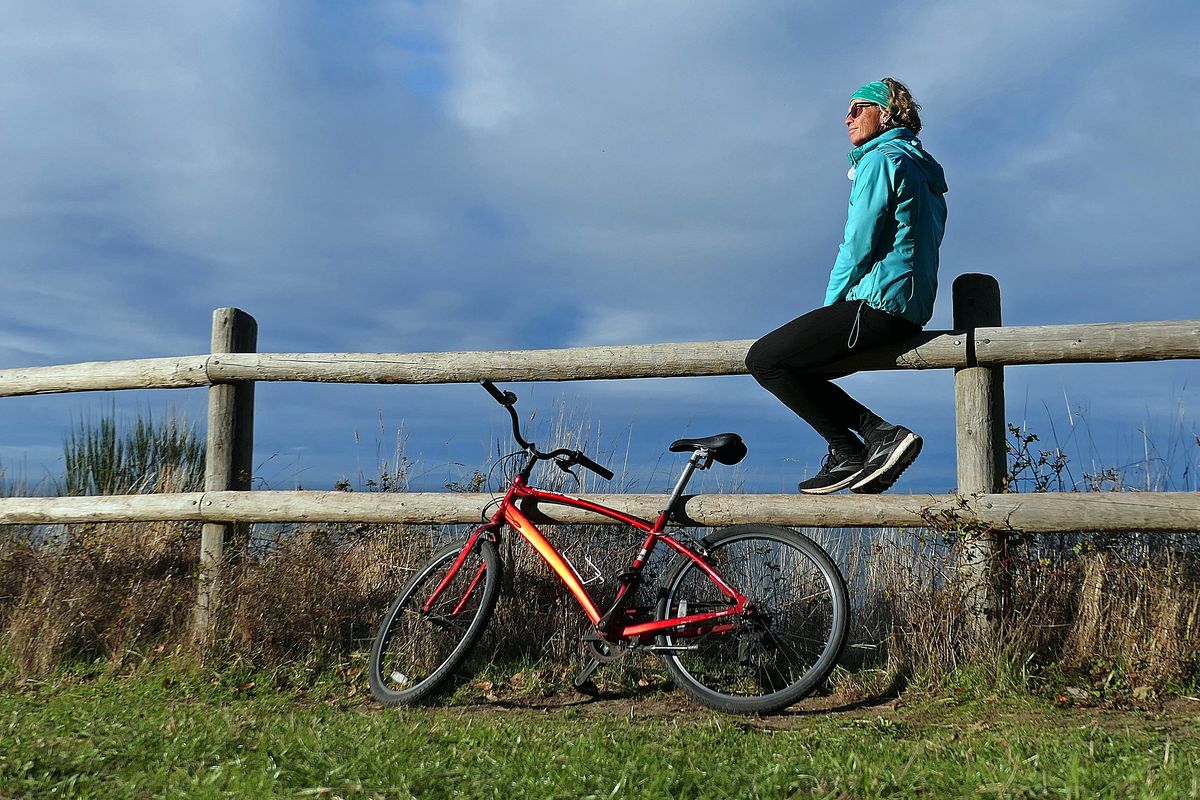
x,y
880,291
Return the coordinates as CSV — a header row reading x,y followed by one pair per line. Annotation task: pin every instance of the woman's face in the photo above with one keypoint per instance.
x,y
865,121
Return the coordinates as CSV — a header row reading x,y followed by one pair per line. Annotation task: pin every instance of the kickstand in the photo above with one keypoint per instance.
x,y
583,682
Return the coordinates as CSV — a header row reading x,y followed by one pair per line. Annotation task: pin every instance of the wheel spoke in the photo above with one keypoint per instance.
x,y
790,641
415,653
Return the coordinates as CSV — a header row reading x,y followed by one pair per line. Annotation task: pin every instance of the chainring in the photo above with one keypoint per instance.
x,y
594,645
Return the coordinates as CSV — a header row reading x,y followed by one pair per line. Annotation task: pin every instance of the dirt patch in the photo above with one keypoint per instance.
x,y
1175,717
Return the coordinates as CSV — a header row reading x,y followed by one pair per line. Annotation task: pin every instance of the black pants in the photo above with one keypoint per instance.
x,y
783,360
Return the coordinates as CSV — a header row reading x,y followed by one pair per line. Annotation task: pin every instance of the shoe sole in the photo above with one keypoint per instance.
x,y
882,478
834,487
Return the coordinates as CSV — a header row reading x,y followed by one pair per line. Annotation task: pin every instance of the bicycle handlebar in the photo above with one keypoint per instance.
x,y
505,399
563,457
577,457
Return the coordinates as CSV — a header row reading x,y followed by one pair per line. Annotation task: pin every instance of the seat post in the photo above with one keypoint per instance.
x,y
693,463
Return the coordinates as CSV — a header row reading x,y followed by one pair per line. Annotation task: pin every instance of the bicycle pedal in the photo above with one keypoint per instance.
x,y
588,687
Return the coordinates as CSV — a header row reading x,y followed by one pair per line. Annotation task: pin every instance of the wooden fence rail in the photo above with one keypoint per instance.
x,y
977,350
992,347
1046,513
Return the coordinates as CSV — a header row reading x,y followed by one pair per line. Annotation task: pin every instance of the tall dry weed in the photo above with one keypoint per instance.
x,y
103,591
314,594
1141,615
111,591
1077,602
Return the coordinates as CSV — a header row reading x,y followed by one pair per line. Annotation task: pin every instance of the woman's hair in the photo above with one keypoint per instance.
x,y
904,109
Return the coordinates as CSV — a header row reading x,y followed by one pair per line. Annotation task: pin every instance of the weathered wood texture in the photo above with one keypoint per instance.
x,y
230,436
979,438
994,346
1104,342
978,390
109,508
181,372
1050,513
229,453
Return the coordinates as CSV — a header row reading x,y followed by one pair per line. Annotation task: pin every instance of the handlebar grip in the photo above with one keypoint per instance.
x,y
603,472
503,398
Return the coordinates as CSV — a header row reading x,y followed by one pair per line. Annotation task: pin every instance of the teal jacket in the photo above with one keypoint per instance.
x,y
889,257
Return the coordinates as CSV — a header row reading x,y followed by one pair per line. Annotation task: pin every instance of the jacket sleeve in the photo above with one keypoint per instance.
x,y
870,201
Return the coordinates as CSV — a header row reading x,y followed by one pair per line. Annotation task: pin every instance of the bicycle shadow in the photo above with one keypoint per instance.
x,y
664,699
572,699
890,694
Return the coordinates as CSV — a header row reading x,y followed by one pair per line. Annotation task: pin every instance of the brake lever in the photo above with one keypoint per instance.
x,y
562,465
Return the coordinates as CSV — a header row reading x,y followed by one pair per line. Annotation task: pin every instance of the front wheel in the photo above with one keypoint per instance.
x,y
416,652
785,647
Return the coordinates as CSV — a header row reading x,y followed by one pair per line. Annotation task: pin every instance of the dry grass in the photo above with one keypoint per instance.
x,y
1076,603
312,595
104,591
1142,615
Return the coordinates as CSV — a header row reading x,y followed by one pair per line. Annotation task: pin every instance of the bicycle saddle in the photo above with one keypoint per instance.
x,y
726,448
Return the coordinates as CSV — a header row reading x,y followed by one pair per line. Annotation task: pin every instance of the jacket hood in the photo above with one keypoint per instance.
x,y
905,141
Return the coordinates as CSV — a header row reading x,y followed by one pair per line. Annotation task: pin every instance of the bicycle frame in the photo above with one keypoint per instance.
x,y
509,513
749,620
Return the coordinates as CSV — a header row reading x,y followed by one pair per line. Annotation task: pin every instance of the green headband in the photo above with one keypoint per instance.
x,y
875,92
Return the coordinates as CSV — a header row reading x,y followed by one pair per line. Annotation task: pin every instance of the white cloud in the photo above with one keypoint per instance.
x,y
962,53
608,326
486,94
484,174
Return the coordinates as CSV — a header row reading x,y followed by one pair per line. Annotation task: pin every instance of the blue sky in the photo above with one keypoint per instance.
x,y
396,177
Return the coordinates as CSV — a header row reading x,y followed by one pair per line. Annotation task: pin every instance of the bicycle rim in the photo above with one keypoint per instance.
x,y
786,647
415,654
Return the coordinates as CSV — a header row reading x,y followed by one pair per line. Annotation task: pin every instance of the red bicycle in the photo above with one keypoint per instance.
x,y
750,619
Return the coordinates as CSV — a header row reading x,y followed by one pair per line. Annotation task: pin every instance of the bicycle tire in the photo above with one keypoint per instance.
x,y
788,645
415,655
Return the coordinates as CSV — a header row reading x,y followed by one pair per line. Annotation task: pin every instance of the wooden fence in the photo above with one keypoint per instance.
x,y
977,349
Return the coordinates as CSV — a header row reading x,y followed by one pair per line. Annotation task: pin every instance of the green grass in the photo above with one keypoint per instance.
x,y
167,732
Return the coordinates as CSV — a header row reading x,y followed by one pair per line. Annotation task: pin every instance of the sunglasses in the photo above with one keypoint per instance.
x,y
858,108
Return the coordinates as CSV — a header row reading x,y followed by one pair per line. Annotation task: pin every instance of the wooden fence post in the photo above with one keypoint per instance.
x,y
980,435
229,455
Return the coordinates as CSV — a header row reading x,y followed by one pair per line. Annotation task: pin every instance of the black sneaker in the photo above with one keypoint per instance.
x,y
837,472
890,450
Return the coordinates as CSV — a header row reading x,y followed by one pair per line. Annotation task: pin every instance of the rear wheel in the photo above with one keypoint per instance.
x,y
416,653
785,647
